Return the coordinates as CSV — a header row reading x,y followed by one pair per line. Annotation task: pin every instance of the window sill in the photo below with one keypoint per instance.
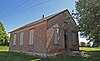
x,y
30,44
14,45
57,44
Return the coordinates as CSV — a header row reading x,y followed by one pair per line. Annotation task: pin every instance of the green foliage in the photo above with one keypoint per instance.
x,y
88,44
69,26
4,38
89,19
4,48
82,44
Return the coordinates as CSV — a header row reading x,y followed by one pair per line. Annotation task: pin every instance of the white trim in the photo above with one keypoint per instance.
x,y
56,35
21,38
14,39
31,36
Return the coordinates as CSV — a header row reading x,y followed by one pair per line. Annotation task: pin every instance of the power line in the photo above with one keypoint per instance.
x,y
21,7
16,7
31,7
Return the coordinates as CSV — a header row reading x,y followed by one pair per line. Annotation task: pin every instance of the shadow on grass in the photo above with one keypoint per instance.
x,y
12,56
93,56
89,56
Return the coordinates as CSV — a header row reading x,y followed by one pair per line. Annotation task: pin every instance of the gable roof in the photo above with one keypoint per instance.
x,y
40,20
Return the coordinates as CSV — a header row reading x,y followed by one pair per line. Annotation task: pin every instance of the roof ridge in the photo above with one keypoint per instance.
x,y
40,20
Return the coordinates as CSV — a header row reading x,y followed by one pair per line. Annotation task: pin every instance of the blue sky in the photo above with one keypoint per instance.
x,y
16,13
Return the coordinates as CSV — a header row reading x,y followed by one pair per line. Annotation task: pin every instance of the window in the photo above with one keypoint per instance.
x,y
56,35
21,38
31,36
14,40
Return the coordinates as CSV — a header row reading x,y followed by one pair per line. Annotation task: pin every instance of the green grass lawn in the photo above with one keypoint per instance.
x,y
91,54
4,48
89,49
5,55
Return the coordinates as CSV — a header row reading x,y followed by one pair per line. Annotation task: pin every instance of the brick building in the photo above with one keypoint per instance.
x,y
46,36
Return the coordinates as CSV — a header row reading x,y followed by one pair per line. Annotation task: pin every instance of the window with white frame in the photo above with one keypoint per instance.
x,y
31,36
14,39
56,35
21,38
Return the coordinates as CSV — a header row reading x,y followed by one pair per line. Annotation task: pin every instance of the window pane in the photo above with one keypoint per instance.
x,y
14,40
21,38
56,35
31,36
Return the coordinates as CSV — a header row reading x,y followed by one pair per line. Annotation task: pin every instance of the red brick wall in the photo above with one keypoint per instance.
x,y
58,20
39,39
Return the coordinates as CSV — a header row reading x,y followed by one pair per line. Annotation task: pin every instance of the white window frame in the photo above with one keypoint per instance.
x,y
14,39
21,38
31,36
56,35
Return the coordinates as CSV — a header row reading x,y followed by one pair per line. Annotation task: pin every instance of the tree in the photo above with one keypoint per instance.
x,y
88,44
88,12
82,44
3,35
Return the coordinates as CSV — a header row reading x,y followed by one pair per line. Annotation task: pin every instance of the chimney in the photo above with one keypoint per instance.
x,y
42,16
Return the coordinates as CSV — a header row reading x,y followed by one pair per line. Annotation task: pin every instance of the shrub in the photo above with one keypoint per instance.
x,y
88,45
95,45
82,44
